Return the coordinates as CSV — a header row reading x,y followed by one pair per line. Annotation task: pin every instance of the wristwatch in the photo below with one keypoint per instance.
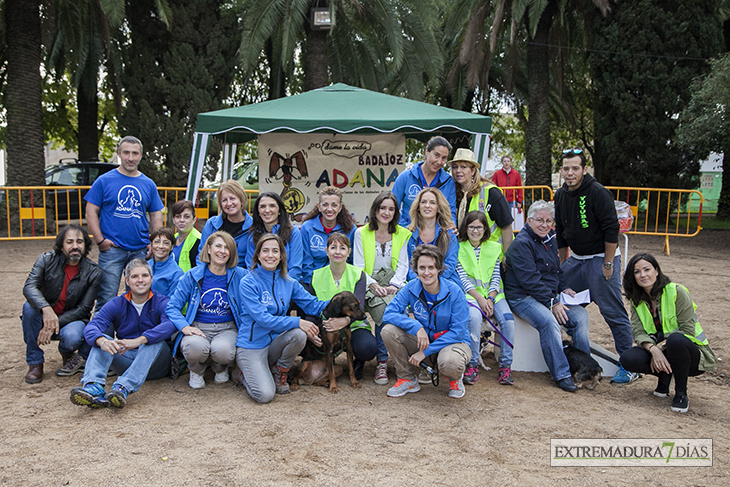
x,y
608,265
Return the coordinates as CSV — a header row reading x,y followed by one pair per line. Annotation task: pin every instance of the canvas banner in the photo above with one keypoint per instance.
x,y
296,166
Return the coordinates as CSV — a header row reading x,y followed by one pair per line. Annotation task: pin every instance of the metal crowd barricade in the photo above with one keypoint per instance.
x,y
663,212
39,212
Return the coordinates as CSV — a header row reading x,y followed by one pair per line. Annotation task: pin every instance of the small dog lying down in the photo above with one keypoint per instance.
x,y
342,304
584,368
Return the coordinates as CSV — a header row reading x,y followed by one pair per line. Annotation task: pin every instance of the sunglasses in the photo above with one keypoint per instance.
x,y
573,151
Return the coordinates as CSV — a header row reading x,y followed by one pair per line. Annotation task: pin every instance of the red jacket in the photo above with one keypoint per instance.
x,y
502,179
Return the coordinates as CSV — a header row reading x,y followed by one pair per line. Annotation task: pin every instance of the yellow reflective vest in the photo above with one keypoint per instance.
x,y
480,272
325,288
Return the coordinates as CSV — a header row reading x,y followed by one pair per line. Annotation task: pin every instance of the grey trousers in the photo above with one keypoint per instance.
x,y
217,347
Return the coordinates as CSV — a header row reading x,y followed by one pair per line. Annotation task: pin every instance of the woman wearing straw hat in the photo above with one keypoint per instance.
x,y
473,192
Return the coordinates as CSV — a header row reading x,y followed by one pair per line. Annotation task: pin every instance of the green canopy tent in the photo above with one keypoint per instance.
x,y
338,108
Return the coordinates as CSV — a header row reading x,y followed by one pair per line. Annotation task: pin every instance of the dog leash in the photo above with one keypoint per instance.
x,y
430,370
492,325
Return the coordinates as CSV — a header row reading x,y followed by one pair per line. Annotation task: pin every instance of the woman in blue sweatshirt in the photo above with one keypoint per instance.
x,y
165,270
269,340
270,216
205,308
232,218
430,222
439,326
329,215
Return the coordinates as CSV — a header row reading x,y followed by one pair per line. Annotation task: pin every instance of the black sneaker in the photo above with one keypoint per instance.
x,y
662,386
567,384
680,404
357,366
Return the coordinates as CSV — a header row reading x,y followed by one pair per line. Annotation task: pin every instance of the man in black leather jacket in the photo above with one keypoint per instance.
x,y
60,293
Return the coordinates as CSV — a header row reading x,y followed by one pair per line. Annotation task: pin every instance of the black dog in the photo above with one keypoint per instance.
x,y
584,368
342,304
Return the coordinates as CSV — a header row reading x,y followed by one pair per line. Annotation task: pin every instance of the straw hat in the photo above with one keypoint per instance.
x,y
465,155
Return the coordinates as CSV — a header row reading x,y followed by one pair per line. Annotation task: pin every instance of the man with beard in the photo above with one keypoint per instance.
x,y
60,293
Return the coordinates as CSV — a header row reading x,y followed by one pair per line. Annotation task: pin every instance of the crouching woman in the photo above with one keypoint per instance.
x,y
440,325
268,339
204,308
669,339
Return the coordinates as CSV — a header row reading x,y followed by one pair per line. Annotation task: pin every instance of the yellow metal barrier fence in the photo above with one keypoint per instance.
x,y
662,211
38,212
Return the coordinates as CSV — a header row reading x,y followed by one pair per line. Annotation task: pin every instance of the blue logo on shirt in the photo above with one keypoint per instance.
x,y
215,301
420,311
317,242
129,203
413,190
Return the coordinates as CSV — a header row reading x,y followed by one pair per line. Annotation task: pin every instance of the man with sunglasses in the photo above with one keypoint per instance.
x,y
586,221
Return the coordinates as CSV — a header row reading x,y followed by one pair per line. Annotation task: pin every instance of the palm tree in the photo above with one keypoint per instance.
x,y
83,40
22,94
372,44
527,67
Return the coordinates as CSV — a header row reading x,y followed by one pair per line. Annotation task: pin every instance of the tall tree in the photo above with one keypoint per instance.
x,y
172,75
22,94
646,55
704,125
372,44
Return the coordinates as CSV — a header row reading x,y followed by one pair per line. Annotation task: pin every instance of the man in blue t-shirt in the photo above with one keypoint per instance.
x,y
116,210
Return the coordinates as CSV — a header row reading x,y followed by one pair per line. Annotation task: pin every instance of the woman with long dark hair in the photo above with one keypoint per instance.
x,y
380,249
669,339
481,277
270,216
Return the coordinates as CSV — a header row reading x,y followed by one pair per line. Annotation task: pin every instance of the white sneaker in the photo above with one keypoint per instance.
x,y
221,377
196,381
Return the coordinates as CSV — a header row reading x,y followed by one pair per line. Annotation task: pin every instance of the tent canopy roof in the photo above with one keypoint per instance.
x,y
340,108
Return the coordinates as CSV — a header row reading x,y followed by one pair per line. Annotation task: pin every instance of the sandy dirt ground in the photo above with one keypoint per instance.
x,y
170,434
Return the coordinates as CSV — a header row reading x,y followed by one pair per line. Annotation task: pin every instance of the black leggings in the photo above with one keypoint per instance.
x,y
682,354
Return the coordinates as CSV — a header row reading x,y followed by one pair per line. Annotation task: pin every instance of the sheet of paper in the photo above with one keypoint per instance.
x,y
583,297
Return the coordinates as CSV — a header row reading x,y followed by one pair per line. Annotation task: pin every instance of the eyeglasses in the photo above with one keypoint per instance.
x,y
573,151
540,221
475,229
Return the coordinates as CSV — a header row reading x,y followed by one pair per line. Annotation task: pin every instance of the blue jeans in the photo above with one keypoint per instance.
x,y
133,366
255,364
580,275
506,323
542,319
364,345
71,336
112,264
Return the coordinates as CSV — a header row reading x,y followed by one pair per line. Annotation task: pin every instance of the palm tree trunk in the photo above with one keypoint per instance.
x,y
537,135
316,74
88,135
23,94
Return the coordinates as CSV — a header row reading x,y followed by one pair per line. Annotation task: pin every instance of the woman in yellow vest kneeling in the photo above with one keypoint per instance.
x,y
380,249
341,276
669,339
481,278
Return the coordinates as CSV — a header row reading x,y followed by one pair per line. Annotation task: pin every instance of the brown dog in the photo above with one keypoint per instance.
x,y
342,304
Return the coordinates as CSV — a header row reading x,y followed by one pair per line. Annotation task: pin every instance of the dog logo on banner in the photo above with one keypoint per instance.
x,y
283,168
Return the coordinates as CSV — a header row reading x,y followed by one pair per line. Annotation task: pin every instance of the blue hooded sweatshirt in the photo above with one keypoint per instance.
x,y
165,275
214,224
120,314
266,298
411,181
294,252
450,313
314,241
